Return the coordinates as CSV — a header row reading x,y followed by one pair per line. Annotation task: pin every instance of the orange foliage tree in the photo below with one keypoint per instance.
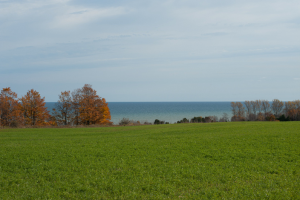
x,y
34,110
9,108
92,108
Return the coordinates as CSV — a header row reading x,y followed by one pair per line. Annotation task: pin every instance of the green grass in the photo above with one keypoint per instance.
x,y
249,160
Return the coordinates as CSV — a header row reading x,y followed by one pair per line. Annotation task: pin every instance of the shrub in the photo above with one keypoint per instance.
x,y
208,119
252,117
124,121
197,120
184,120
283,118
260,117
127,122
156,121
237,118
271,118
215,118
14,124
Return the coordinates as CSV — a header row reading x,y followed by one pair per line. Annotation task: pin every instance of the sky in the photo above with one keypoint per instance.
x,y
158,50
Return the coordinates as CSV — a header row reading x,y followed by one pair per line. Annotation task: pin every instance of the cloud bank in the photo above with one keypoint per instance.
x,y
168,50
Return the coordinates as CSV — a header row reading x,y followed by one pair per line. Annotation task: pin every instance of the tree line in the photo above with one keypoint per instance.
x,y
263,110
81,107
258,110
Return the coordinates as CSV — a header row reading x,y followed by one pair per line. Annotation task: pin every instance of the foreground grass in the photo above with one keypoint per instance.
x,y
248,160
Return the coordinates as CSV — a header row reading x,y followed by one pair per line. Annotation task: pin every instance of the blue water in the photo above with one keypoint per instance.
x,y
168,111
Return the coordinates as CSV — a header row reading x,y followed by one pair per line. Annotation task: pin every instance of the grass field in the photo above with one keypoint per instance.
x,y
249,160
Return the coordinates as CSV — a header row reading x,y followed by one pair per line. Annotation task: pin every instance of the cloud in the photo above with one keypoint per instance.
x,y
23,8
250,13
56,13
151,43
72,16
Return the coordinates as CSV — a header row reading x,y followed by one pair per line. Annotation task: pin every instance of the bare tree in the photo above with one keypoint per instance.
x,y
248,108
241,110
224,118
297,104
238,111
265,106
63,111
290,110
76,97
254,107
215,118
234,108
259,105
277,107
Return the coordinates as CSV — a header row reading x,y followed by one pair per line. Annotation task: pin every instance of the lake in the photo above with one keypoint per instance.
x,y
167,111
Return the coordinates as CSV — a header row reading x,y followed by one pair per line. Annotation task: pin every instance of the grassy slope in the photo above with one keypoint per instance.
x,y
248,160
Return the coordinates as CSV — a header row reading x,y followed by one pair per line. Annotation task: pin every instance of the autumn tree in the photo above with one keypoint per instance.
x,y
92,108
10,110
63,111
277,107
34,110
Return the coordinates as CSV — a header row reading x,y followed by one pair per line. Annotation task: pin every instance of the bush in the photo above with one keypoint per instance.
x,y
252,117
207,119
156,121
215,118
237,118
124,121
283,118
184,120
14,124
197,120
271,118
260,117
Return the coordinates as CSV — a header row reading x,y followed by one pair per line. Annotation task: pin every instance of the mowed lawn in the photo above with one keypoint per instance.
x,y
246,160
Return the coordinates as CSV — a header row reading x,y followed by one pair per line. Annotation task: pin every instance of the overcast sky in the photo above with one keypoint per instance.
x,y
158,50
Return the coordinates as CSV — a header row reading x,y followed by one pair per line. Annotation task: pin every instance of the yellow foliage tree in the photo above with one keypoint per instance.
x,y
92,108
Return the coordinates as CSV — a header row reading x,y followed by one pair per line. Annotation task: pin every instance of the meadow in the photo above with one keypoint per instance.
x,y
236,160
